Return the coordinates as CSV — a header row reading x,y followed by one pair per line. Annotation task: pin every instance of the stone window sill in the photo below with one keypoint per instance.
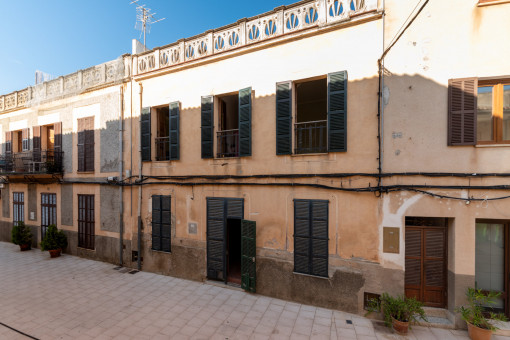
x,y
494,2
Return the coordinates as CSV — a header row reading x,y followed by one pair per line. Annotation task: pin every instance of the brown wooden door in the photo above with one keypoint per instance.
x,y
425,264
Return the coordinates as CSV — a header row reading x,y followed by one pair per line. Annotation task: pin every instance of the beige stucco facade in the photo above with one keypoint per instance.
x,y
421,176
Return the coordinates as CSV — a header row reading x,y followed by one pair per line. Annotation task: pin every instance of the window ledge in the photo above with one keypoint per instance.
x,y
492,145
312,276
310,154
495,2
160,251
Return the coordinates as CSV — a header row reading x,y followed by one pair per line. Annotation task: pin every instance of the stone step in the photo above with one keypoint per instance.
x,y
504,328
437,322
436,312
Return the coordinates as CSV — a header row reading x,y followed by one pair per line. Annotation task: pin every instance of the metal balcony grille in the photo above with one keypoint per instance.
x,y
228,143
162,148
311,137
32,162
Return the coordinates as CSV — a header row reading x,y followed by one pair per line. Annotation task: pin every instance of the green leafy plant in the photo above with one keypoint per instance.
x,y
54,239
21,234
399,308
475,313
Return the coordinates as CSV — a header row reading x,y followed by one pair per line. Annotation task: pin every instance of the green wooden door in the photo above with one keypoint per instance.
x,y
248,249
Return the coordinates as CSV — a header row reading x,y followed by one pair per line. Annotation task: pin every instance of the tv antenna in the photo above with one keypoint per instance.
x,y
144,19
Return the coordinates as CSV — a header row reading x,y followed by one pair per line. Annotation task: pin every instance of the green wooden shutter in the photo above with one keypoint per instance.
x,y
319,233
81,144
248,255
36,143
284,118
166,223
174,130
216,222
302,249
235,208
145,131
207,126
156,222
245,122
337,111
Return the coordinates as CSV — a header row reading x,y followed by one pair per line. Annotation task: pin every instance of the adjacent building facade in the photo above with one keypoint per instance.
x,y
322,152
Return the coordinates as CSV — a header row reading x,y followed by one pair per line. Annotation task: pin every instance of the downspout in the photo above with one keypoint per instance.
x,y
140,177
121,170
380,103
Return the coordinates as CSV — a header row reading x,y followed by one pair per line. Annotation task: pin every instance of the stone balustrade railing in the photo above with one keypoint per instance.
x,y
281,21
73,83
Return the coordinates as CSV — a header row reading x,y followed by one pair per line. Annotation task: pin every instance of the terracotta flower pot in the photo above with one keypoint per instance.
x,y
477,333
400,327
24,247
55,252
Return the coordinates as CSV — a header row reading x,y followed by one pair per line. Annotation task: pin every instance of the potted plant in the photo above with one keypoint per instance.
x,y
54,241
477,316
398,312
22,236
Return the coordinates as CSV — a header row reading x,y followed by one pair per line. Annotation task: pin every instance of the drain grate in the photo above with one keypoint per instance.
x,y
134,271
117,268
349,322
125,270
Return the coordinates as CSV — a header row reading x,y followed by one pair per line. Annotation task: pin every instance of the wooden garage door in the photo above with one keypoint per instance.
x,y
425,264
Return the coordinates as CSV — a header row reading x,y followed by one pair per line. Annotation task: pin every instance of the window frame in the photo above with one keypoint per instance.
x,y
18,205
87,211
51,216
161,212
87,133
218,123
497,85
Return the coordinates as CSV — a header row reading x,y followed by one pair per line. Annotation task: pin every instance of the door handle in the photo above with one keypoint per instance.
x,y
253,259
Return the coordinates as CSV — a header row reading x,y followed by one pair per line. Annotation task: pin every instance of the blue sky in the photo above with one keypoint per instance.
x,y
61,36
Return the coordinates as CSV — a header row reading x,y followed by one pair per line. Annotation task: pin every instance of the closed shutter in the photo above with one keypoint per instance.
x,y
235,208
25,137
174,110
248,255
337,111
36,143
413,271
462,110
311,237
161,223
89,144
8,142
216,220
145,134
245,122
207,126
58,144
81,145
283,118
319,233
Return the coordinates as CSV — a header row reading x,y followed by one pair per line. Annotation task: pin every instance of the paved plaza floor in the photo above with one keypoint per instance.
x,y
75,298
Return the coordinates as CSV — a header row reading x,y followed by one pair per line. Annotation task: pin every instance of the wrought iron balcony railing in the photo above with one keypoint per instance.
x,y
32,162
162,148
228,143
311,137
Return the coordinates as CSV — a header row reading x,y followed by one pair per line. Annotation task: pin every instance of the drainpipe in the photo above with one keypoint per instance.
x,y
121,170
140,177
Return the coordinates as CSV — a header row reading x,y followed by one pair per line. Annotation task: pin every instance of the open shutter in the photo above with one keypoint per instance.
x,y
216,264
245,122
81,144
89,144
207,126
58,144
302,249
145,133
25,136
36,131
248,254
462,105
8,142
175,109
319,241
156,222
284,118
337,111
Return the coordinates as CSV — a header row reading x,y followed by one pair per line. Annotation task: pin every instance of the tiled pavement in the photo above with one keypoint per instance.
x,y
74,298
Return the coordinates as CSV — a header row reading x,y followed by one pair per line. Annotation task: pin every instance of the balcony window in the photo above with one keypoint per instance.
x,y
162,134
228,131
311,126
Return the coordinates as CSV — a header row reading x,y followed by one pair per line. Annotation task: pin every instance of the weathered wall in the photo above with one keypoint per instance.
x,y
109,206
32,202
6,207
67,207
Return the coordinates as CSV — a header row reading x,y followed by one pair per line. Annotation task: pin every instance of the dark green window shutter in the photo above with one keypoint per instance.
x,y
216,220
145,131
284,118
245,122
337,111
207,126
161,223
174,110
248,255
319,234
311,237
